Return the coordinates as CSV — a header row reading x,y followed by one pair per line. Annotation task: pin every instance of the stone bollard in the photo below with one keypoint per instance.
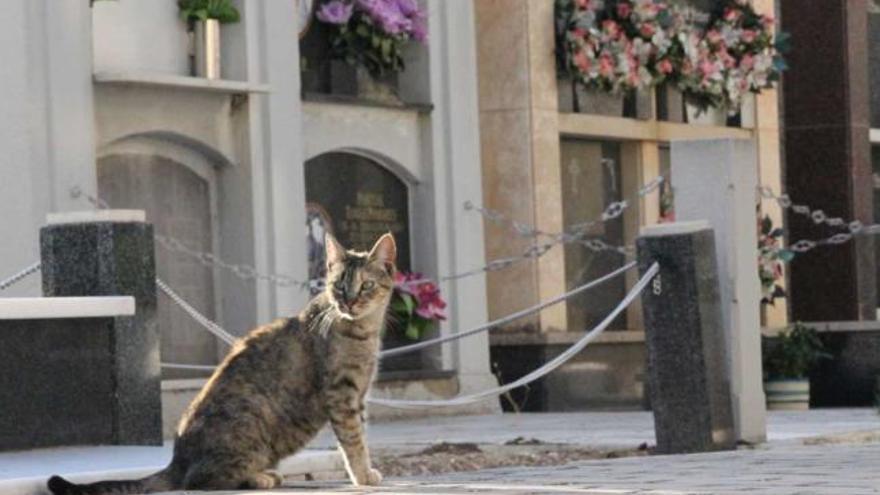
x,y
684,333
110,253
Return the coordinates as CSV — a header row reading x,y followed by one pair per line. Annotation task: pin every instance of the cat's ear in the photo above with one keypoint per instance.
x,y
385,251
335,251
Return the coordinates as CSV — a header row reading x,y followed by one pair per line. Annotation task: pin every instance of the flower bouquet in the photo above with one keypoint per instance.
x,y
771,258
372,33
416,304
621,45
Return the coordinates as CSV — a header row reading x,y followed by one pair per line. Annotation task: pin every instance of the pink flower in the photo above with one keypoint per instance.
x,y
647,30
611,28
624,9
606,65
749,35
731,15
582,62
714,36
425,293
665,66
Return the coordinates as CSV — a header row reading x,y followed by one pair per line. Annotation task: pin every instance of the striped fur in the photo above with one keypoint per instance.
x,y
279,386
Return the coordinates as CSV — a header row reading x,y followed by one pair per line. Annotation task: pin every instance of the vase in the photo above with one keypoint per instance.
x,y
709,116
380,89
788,394
597,102
670,104
206,45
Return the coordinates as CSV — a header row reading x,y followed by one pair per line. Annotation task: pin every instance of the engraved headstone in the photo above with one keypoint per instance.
x,y
357,200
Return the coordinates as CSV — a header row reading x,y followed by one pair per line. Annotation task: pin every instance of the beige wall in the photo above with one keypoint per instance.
x,y
521,127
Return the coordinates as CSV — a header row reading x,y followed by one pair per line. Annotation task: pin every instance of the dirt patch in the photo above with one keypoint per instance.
x,y
455,457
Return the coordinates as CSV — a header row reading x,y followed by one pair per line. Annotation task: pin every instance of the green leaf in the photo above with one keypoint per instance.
x,y
412,332
785,255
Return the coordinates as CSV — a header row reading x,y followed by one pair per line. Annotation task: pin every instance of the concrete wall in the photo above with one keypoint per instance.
x,y
139,36
248,146
46,126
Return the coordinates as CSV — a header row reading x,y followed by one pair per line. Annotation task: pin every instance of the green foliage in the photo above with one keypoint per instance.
x,y
404,306
793,353
202,10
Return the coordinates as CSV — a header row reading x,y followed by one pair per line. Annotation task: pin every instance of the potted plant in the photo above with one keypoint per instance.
x,y
204,18
416,308
787,360
370,36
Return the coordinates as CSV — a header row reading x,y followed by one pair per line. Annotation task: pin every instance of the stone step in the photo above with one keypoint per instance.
x,y
26,472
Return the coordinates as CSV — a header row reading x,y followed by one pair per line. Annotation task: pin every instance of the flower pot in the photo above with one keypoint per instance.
x,y
709,116
597,102
788,395
381,89
206,44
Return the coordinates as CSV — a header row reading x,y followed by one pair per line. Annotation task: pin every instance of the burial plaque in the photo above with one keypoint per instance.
x,y
357,200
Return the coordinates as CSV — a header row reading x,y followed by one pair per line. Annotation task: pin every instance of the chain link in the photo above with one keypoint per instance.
x,y
21,275
819,217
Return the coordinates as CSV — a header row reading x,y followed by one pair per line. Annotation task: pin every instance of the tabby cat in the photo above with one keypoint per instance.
x,y
280,385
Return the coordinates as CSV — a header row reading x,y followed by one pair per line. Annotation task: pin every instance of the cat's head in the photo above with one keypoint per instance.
x,y
359,283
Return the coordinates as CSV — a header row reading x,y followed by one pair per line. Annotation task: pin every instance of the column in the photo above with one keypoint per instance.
x,y
828,155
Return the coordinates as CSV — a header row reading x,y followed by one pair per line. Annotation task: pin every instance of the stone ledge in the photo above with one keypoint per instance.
x,y
25,473
174,81
564,338
355,101
831,326
31,308
92,216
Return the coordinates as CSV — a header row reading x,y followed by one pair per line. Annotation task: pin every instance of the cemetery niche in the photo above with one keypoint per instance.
x,y
357,200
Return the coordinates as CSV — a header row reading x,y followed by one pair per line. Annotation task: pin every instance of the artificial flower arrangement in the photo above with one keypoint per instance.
x,y
771,258
372,33
416,304
623,45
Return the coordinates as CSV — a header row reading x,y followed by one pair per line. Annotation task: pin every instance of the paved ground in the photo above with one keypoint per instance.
x,y
613,430
789,463
790,469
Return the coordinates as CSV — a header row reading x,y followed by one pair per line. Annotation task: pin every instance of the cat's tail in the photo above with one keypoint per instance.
x,y
158,482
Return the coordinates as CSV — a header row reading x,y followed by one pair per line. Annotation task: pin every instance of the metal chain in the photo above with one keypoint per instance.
x,y
248,272
21,275
201,319
819,217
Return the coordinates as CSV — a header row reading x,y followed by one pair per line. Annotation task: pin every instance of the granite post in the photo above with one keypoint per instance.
x,y
110,253
717,180
684,333
828,154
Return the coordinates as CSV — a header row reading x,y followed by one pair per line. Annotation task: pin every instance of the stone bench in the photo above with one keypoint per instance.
x,y
71,373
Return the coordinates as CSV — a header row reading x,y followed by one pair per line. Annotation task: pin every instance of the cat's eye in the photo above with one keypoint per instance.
x,y
369,284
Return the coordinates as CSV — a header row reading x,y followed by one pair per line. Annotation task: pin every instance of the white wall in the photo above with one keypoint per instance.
x,y
46,122
138,35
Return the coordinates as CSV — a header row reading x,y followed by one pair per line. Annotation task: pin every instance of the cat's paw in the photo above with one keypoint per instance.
x,y
266,480
374,477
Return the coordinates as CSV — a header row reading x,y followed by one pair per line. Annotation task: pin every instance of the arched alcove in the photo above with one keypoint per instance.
x,y
357,198
178,199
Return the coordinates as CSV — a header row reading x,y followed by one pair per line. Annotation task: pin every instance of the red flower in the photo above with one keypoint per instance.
x,y
624,9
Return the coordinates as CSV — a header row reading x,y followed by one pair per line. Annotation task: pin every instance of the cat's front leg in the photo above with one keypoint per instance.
x,y
349,430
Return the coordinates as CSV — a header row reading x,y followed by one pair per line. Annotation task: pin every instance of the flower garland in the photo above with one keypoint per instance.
x,y
372,33
416,304
623,45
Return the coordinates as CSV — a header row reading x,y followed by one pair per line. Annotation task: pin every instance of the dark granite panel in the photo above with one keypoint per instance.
x,y
874,67
689,383
827,153
103,259
816,79
56,384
